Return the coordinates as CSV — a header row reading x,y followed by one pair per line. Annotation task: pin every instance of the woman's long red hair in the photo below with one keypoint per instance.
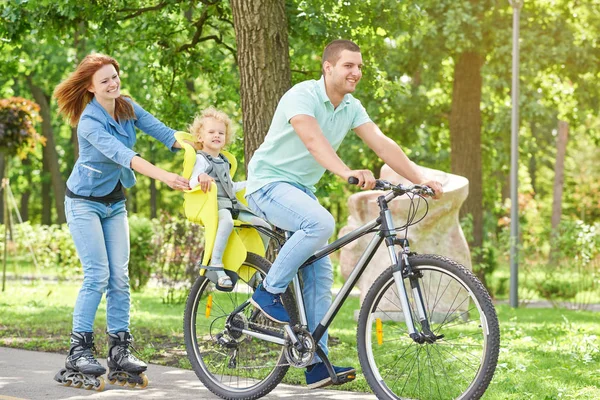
x,y
72,94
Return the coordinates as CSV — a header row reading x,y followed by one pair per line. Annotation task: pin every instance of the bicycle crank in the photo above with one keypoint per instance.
x,y
300,353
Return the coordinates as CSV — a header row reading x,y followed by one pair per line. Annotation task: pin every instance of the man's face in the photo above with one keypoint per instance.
x,y
346,72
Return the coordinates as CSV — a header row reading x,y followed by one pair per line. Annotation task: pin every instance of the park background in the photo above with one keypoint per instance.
x,y
437,79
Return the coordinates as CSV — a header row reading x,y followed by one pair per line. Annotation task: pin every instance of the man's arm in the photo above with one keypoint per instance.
x,y
309,131
394,156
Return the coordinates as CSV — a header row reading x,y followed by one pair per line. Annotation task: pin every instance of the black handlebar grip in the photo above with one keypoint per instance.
x,y
353,180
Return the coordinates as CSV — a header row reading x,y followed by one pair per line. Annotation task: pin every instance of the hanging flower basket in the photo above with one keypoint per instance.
x,y
18,117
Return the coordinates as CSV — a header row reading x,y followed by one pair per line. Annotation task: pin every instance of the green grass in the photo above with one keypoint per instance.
x,y
545,353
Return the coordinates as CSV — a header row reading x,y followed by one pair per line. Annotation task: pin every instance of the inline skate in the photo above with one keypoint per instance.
x,y
81,368
124,367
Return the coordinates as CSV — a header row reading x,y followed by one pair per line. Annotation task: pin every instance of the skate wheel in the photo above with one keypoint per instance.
x,y
131,384
121,383
112,381
89,387
101,385
78,385
144,381
68,382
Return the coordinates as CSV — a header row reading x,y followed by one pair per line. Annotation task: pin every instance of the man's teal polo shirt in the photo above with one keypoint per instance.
x,y
282,157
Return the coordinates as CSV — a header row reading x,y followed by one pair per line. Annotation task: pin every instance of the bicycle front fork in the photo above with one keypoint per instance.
x,y
402,271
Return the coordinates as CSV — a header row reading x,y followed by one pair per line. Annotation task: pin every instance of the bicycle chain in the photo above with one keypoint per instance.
x,y
270,328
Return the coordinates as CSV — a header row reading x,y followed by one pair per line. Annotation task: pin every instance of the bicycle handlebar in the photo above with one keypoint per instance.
x,y
399,189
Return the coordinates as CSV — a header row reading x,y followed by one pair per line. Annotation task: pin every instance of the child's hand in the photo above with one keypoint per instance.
x,y
205,180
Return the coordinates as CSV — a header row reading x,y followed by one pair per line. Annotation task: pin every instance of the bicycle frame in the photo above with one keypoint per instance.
x,y
385,231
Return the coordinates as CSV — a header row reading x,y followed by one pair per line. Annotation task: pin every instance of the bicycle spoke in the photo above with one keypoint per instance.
x,y
393,367
458,359
437,386
410,372
458,317
450,308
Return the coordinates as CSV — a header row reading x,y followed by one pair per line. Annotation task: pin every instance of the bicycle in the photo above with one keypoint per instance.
x,y
427,328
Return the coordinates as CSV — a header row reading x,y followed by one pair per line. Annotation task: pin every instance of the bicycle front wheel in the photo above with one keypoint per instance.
x,y
459,364
231,364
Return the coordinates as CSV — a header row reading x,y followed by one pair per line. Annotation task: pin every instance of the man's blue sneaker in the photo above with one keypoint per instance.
x,y
317,375
270,304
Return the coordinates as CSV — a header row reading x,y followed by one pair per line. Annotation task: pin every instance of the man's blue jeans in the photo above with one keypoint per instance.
x,y
296,209
101,235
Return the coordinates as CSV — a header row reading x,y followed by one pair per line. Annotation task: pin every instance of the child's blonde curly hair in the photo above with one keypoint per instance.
x,y
196,127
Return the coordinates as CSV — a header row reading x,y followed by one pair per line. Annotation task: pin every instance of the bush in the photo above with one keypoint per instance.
x,y
484,258
168,248
52,245
141,233
178,246
571,269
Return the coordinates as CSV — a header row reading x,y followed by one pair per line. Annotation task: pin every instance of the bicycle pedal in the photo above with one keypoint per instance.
x,y
341,379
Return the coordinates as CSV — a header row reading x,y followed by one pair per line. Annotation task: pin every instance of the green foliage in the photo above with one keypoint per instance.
x,y
52,245
167,248
178,247
574,262
485,258
18,117
141,233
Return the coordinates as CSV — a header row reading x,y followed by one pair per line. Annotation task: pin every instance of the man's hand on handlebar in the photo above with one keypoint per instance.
x,y
438,190
365,178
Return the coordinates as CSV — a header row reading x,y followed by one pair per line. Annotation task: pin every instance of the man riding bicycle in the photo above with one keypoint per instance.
x,y
308,126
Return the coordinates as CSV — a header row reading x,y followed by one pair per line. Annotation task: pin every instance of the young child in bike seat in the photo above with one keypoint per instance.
x,y
212,131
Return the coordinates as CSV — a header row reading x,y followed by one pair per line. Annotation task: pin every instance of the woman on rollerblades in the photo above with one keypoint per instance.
x,y
90,98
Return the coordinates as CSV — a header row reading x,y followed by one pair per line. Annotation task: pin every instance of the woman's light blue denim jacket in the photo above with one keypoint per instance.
x,y
105,149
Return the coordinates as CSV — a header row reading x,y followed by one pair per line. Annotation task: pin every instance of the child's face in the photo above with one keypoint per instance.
x,y
212,135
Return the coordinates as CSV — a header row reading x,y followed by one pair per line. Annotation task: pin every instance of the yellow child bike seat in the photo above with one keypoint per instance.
x,y
201,208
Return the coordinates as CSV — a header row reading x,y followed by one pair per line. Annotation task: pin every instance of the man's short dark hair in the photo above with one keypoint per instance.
x,y
334,49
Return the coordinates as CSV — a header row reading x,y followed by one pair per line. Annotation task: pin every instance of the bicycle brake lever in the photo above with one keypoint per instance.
x,y
382,185
429,191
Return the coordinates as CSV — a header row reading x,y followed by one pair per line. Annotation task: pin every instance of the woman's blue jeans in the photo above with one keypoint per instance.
x,y
296,209
101,235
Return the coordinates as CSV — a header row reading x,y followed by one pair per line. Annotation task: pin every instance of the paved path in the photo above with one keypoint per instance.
x,y
29,375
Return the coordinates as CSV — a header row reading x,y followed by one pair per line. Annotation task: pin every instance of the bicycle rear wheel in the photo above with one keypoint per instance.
x,y
233,366
458,365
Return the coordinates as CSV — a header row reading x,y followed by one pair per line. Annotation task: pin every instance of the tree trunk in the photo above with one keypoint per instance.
x,y
533,162
2,168
46,193
559,173
264,63
49,151
75,144
153,198
465,135
24,208
80,45
132,199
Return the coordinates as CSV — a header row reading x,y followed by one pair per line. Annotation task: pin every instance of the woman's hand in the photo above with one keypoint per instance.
x,y
176,182
205,180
